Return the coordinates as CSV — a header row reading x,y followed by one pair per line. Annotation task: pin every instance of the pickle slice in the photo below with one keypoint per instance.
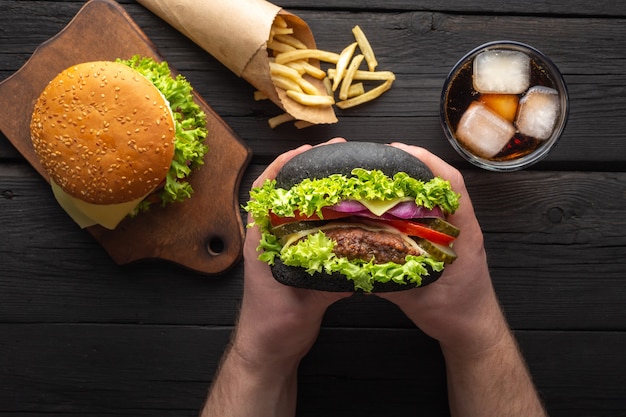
x,y
441,226
295,227
439,252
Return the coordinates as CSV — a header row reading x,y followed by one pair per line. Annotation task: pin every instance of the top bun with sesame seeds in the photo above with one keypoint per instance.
x,y
103,132
123,132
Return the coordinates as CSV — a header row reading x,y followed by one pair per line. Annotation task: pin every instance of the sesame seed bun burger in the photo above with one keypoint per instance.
x,y
355,216
117,137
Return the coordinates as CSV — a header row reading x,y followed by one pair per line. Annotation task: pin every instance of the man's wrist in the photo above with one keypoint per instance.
x,y
254,360
491,381
479,346
484,333
249,385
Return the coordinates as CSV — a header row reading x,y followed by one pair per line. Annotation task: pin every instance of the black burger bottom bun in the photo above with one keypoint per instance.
x,y
294,276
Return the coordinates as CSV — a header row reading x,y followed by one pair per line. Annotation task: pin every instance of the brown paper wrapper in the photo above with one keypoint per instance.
x,y
236,33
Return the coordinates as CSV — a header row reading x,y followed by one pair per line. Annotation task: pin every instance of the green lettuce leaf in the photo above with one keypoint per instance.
x,y
190,123
311,195
315,254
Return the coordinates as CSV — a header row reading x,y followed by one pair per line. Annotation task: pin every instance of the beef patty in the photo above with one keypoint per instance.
x,y
357,243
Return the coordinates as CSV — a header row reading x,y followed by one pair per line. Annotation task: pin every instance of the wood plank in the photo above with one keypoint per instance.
x,y
523,7
122,370
126,370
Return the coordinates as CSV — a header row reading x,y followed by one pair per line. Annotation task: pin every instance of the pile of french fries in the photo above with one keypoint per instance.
x,y
290,68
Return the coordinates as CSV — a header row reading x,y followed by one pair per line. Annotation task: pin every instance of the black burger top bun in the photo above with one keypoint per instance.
x,y
343,157
103,132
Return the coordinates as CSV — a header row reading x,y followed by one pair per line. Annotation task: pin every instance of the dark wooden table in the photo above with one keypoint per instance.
x,y
80,335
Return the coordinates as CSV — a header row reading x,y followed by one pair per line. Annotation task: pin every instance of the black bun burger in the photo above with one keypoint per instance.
x,y
355,216
116,137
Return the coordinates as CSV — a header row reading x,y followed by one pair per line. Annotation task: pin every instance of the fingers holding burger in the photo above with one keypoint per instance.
x,y
355,216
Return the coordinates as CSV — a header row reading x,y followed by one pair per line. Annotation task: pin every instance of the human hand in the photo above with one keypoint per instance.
x,y
277,322
460,309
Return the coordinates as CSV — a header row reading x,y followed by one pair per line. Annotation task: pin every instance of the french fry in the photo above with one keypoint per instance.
x,y
304,67
342,63
347,79
260,96
308,88
356,89
278,31
290,40
302,124
279,27
364,98
300,54
328,86
310,100
283,71
296,65
365,47
279,120
361,75
278,46
286,83
279,22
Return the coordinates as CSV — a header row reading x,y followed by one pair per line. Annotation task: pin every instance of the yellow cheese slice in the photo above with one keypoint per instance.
x,y
86,214
380,207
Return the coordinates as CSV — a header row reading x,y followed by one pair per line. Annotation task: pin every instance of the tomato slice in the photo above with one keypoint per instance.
x,y
404,226
327,213
420,230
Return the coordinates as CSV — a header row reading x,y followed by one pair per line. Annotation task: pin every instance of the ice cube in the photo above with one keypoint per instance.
x,y
502,72
483,131
503,104
538,112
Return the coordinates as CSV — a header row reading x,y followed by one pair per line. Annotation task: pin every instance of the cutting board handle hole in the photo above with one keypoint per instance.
x,y
215,245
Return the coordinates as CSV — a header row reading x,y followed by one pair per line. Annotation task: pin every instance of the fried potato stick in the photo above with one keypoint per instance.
x,y
361,75
364,98
310,100
365,47
344,59
299,54
347,79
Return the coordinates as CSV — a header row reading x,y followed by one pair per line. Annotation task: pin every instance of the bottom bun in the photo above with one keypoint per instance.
x,y
294,276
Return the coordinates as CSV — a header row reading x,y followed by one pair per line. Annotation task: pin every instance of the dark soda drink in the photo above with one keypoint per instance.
x,y
519,143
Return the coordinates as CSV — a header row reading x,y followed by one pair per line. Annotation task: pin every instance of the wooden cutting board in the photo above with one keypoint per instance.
x,y
205,233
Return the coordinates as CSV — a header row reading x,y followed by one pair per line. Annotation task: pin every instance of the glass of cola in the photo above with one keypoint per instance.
x,y
504,106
